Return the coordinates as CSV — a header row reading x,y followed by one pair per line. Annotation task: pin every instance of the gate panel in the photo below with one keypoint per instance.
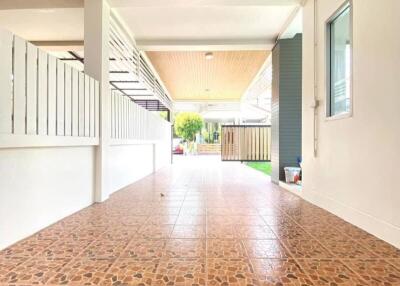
x,y
246,143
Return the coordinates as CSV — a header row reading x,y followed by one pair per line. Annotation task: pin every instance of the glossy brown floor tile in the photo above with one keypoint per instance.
x,y
268,248
35,271
306,249
234,271
216,224
132,272
279,272
181,271
330,272
82,272
375,272
185,248
225,248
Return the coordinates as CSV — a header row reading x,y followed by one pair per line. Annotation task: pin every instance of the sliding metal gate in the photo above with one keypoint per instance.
x,y
246,143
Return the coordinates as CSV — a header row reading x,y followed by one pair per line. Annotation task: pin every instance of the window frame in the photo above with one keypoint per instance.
x,y
347,114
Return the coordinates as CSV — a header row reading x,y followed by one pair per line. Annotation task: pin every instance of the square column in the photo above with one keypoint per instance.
x,y
96,40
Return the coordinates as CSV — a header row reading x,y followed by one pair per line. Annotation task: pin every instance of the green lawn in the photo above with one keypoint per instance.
x,y
264,167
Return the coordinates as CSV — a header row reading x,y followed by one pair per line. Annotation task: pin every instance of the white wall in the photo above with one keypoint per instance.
x,y
355,174
129,163
39,186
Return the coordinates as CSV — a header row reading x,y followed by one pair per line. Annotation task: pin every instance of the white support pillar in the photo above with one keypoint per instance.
x,y
97,21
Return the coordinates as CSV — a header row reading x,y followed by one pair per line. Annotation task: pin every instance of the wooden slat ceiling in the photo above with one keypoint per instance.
x,y
190,76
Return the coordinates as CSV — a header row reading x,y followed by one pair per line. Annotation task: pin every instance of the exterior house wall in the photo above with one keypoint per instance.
x,y
354,173
286,105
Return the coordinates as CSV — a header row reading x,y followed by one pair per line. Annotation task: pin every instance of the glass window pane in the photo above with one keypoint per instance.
x,y
340,63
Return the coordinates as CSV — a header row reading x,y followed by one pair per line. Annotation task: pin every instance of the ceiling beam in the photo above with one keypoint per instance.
x,y
60,46
56,4
169,3
39,4
205,45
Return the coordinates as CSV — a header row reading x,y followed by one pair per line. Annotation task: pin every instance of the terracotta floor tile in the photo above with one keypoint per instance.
x,y
26,248
290,232
191,220
189,231
193,211
330,272
225,248
281,220
134,220
381,249
250,211
279,272
220,211
104,249
352,231
375,272
54,233
37,270
219,220
162,219
155,231
234,271
181,271
65,248
120,233
8,263
224,231
132,272
87,233
185,248
306,249
268,248
167,211
347,249
269,211
82,271
395,262
255,232
248,220
324,233
145,248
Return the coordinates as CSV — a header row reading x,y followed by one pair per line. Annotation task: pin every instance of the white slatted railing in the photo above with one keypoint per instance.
x,y
42,96
132,122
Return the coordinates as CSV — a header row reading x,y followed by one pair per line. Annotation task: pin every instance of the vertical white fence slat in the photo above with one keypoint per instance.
x,y
136,120
130,118
81,104
112,113
68,101
96,109
91,107
42,93
19,102
87,94
6,97
118,116
31,89
52,95
125,116
60,98
75,102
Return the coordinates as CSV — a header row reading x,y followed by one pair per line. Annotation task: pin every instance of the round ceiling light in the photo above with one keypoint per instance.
x,y
209,56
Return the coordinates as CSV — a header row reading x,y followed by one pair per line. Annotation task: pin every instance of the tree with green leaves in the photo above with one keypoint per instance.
x,y
187,124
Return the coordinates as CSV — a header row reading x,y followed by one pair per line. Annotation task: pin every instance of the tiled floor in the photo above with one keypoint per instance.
x,y
201,222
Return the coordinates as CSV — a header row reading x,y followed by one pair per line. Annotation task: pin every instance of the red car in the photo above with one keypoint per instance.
x,y
177,147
